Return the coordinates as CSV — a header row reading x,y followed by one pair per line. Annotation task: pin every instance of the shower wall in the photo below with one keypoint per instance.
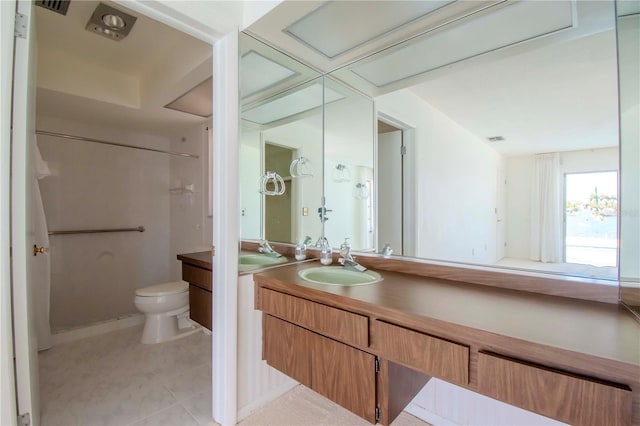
x,y
191,225
94,276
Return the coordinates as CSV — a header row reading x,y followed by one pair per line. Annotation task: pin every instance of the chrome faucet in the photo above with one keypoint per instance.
x,y
347,260
267,250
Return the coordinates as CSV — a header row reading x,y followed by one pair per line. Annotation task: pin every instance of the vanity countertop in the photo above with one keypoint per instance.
x,y
562,332
201,259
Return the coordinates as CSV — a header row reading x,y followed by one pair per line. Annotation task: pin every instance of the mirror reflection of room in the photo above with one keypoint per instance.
x,y
280,141
497,140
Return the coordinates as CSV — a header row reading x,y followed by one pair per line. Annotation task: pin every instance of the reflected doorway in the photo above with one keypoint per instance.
x,y
277,218
591,218
390,188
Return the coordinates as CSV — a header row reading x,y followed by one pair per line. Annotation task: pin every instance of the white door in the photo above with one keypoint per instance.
x,y
500,211
22,175
390,190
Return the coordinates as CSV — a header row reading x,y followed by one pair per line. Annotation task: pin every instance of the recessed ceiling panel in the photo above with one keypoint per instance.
x,y
197,101
258,73
339,26
470,38
291,104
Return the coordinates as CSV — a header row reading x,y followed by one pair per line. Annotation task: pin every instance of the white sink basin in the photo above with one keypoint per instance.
x,y
337,275
249,262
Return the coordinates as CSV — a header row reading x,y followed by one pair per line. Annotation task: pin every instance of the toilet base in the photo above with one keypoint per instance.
x,y
159,328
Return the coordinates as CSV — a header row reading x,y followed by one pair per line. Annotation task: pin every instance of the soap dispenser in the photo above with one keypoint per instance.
x,y
345,247
326,253
301,249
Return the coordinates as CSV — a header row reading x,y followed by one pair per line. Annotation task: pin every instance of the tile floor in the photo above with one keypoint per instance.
x,y
114,380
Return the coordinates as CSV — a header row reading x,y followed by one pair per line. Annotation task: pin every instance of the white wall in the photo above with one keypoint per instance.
x,y
258,384
441,403
519,183
189,213
250,168
94,276
455,221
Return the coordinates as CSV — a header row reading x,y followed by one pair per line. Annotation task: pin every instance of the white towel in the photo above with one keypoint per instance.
x,y
41,166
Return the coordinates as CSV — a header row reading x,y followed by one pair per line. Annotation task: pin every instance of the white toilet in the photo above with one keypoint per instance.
x,y
166,310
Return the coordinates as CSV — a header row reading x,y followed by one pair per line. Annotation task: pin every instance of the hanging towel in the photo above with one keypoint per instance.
x,y
41,166
40,273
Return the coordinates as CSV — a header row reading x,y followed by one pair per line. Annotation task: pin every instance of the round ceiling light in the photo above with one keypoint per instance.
x,y
114,22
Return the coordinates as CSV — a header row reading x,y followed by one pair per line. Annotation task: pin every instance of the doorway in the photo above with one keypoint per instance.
x,y
591,218
390,187
277,219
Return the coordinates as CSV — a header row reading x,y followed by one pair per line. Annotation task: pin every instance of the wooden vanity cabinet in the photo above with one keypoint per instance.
x,y
337,371
200,295
312,343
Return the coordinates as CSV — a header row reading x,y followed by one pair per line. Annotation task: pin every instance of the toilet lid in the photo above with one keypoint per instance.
x,y
164,289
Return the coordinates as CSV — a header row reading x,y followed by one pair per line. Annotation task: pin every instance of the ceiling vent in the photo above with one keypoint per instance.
x,y
495,138
110,22
58,6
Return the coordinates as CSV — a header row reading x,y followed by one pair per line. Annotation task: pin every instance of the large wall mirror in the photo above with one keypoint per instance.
x,y
281,157
509,136
629,69
496,131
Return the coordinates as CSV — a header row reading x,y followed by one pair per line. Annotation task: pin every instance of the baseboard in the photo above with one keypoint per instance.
x,y
428,416
66,336
247,410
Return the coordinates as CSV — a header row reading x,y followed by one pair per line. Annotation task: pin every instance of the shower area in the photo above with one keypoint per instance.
x,y
123,137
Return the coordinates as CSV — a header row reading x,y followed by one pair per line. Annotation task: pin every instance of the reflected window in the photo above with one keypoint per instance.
x,y
591,218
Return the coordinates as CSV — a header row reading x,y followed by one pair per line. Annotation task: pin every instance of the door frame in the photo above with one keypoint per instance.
x,y
408,175
225,209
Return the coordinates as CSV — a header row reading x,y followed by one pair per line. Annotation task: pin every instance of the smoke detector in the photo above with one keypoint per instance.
x,y
110,22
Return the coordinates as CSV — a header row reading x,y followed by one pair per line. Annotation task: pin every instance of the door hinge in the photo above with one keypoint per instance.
x,y
376,363
403,150
21,25
24,419
378,413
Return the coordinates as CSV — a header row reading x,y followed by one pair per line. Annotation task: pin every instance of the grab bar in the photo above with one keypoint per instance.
x,y
96,231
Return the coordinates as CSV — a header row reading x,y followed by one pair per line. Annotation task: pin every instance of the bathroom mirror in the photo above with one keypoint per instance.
x,y
349,166
280,145
628,30
492,124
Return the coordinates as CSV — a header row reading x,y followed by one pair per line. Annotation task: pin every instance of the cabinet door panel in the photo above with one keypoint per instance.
x,y
568,398
285,347
200,303
431,355
345,375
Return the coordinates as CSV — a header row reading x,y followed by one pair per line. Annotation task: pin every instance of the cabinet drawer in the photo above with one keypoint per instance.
x,y
571,399
196,276
200,306
331,322
431,355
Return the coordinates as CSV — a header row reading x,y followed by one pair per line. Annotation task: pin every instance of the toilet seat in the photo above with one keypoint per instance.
x,y
164,289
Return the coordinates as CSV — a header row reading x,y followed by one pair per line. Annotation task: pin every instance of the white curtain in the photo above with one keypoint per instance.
x,y
546,210
40,275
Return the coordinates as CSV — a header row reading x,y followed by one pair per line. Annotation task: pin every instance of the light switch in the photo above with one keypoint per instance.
x,y
305,211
